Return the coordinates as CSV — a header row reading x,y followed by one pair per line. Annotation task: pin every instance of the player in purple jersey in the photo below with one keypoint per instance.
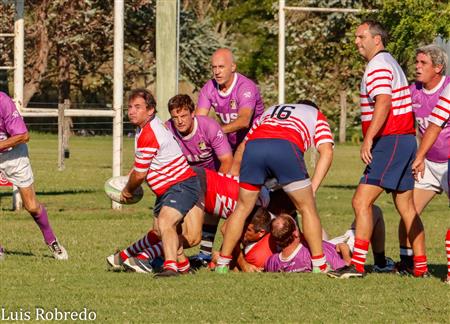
x,y
204,145
431,64
235,98
201,138
295,255
15,165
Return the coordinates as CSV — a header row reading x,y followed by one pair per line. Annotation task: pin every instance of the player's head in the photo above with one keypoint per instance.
x,y
308,103
181,109
141,106
284,230
371,37
258,227
431,63
223,67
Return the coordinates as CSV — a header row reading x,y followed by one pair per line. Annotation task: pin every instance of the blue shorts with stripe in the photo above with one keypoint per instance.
x,y
268,158
390,168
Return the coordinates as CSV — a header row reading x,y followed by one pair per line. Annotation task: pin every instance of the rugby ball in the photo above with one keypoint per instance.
x,y
115,185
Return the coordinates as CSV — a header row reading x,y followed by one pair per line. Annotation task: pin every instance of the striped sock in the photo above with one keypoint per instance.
x,y
184,266
154,251
142,256
420,265
360,254
319,262
224,260
208,235
144,243
170,265
447,249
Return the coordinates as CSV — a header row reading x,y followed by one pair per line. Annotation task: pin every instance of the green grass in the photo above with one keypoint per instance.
x,y
90,230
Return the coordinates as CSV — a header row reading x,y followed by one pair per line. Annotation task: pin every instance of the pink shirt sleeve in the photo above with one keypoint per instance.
x,y
12,121
247,97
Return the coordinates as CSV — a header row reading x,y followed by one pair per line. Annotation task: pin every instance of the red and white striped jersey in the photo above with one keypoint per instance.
x,y
440,115
222,192
158,153
300,124
383,75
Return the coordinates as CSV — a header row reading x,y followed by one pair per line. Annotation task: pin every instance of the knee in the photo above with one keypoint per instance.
x,y
166,223
359,204
193,240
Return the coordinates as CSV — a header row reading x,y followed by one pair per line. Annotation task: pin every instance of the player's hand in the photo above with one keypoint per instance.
x,y
366,148
125,196
251,268
418,168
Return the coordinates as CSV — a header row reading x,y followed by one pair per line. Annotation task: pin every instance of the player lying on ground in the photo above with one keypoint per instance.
x,y
295,255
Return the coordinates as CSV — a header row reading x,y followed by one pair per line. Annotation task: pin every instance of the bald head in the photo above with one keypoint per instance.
x,y
223,67
284,230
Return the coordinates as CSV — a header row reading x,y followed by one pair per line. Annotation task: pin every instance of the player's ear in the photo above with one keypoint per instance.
x,y
233,67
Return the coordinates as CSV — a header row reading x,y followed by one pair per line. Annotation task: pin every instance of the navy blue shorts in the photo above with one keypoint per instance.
x,y
181,196
272,158
390,168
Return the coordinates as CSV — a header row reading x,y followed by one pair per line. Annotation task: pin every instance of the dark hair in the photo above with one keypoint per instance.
x,y
261,220
307,102
280,203
144,94
282,230
376,28
181,101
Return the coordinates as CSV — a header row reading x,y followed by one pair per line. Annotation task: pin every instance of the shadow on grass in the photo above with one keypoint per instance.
x,y
54,193
346,187
20,253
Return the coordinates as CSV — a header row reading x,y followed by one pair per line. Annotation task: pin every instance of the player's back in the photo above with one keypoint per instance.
x,y
221,195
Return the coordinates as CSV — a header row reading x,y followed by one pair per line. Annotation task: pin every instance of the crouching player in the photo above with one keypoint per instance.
x,y
285,131
160,162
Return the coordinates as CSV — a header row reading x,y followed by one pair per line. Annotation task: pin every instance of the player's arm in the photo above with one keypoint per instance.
x,y
323,165
14,140
226,161
244,265
237,159
428,139
241,122
382,107
134,181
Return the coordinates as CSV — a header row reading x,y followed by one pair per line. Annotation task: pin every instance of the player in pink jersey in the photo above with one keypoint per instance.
x,y
160,162
235,98
438,119
388,149
204,144
431,64
15,165
200,137
286,131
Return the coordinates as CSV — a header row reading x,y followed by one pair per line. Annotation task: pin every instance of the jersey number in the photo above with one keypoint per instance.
x,y
282,112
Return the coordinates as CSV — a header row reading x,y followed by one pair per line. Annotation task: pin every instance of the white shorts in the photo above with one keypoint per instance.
x,y
16,166
435,177
348,237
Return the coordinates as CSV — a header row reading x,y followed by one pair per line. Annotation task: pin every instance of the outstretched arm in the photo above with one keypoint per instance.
x,y
323,165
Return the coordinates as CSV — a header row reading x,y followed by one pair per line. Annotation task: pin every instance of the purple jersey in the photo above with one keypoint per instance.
x,y
423,103
204,144
243,93
300,260
11,123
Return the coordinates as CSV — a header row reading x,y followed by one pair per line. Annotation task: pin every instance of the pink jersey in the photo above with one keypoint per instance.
x,y
423,103
204,145
441,114
302,125
11,123
383,75
243,93
158,154
300,260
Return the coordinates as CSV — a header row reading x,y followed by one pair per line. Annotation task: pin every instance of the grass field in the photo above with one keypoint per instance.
x,y
90,230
